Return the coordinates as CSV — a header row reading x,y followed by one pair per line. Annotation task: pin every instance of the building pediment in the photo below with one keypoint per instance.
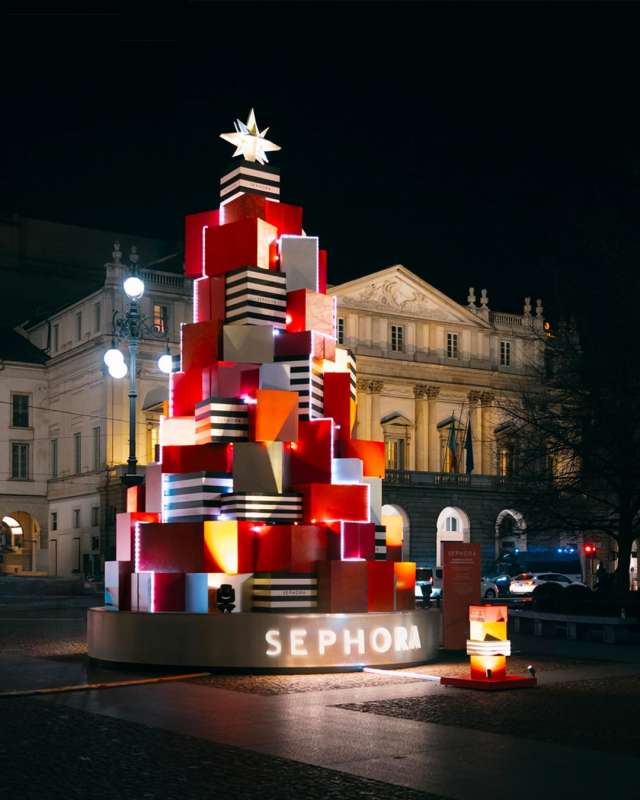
x,y
397,290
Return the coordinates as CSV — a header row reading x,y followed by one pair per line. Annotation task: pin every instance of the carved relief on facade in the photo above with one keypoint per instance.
x,y
395,295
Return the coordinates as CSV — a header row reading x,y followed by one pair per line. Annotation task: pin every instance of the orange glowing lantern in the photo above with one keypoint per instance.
x,y
488,648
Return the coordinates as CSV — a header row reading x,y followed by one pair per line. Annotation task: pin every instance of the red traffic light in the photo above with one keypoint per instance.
x,y
589,550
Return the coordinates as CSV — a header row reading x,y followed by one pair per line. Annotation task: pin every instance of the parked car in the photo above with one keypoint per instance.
x,y
526,582
488,589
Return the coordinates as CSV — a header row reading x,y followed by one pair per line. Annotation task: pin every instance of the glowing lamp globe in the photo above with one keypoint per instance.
x,y
113,356
118,370
164,363
133,287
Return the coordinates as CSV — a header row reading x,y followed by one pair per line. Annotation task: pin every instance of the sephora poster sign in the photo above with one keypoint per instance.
x,y
460,589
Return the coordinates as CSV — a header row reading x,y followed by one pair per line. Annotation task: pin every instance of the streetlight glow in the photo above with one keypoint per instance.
x,y
133,287
164,363
118,369
113,356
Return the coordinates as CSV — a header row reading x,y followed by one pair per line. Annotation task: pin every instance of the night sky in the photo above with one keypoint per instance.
x,y
487,145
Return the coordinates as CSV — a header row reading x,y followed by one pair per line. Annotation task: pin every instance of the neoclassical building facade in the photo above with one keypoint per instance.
x,y
426,366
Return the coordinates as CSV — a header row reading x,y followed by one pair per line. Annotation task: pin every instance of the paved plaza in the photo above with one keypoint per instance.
x,y
339,735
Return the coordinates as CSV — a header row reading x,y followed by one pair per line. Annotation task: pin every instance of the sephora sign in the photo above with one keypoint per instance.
x,y
271,641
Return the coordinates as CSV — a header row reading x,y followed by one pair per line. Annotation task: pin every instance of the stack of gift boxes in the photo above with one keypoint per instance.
x,y
260,483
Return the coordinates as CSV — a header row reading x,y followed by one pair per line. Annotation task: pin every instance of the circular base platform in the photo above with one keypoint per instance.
x,y
274,642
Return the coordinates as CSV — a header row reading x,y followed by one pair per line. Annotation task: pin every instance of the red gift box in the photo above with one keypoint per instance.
x,y
125,531
168,591
358,540
185,390
380,586
342,587
199,344
289,548
247,243
370,453
194,225
310,311
311,455
230,379
322,271
197,458
337,401
324,502
286,218
208,298
405,573
170,547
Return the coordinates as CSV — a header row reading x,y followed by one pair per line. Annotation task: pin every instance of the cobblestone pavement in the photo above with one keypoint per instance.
x,y
292,684
58,753
595,713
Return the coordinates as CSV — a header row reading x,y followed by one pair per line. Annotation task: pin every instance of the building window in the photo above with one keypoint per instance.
x,y
340,330
505,353
76,517
397,338
54,520
95,542
95,511
56,338
395,453
160,318
54,458
97,317
77,452
20,410
451,524
96,448
20,461
79,325
452,345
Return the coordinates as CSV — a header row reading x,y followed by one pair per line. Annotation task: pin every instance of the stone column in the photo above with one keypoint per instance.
x,y
475,411
375,387
488,445
433,441
421,416
363,416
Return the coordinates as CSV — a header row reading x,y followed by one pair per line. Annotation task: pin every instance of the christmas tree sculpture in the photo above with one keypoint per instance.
x,y
262,501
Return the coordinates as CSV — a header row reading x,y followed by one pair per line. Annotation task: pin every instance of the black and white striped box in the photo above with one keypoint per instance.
x,y
256,297
221,419
381,543
306,378
288,593
262,507
194,496
250,178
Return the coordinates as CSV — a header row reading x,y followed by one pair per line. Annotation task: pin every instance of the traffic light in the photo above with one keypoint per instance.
x,y
589,550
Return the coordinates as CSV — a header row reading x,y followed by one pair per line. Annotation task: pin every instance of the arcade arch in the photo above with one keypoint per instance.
x,y
19,541
396,521
511,532
453,525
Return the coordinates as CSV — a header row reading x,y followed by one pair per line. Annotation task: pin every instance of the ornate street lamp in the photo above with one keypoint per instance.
x,y
132,327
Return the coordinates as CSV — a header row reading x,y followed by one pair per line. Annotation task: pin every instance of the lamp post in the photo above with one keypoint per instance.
x,y
132,327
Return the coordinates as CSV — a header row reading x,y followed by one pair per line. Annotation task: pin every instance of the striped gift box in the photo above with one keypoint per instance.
x,y
274,592
250,178
193,496
351,366
380,543
221,419
256,297
262,506
306,378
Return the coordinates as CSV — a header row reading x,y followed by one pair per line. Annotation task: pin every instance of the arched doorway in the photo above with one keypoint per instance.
x,y
396,521
511,532
19,540
453,525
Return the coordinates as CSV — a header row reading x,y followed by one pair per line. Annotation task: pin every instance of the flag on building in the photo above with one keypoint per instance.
x,y
451,449
468,446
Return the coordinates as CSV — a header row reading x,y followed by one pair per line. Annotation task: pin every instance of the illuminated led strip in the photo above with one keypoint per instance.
x,y
489,648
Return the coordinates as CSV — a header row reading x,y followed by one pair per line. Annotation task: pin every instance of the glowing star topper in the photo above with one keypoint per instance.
x,y
249,141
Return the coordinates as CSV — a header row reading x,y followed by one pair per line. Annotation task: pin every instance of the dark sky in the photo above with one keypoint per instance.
x,y
484,144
